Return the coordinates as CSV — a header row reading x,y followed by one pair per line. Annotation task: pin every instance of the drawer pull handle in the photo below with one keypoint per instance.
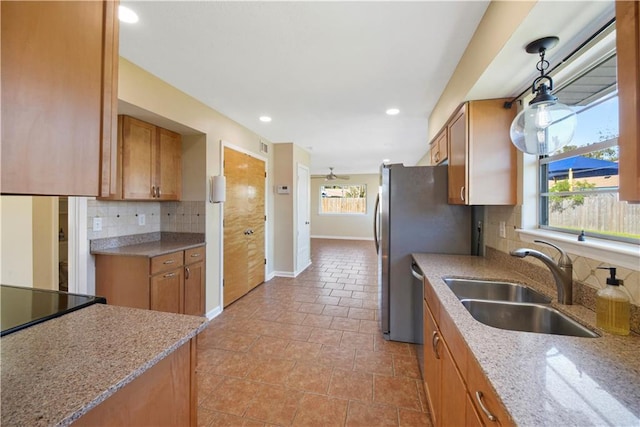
x,y
196,255
169,275
484,408
434,343
462,193
187,272
169,261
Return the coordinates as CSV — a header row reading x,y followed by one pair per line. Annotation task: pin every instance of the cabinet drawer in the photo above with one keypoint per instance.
x,y
166,262
477,383
194,255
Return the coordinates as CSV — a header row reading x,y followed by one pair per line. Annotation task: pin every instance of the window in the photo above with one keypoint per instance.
x,y
579,184
343,199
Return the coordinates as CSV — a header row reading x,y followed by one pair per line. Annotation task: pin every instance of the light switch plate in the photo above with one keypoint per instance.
x,y
503,230
97,224
141,219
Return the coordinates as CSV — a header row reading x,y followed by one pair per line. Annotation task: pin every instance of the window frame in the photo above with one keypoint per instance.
x,y
366,200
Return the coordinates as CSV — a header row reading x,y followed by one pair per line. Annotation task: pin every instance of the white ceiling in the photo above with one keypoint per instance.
x,y
327,71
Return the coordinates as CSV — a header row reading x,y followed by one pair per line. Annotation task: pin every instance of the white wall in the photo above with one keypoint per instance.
x,y
344,226
17,240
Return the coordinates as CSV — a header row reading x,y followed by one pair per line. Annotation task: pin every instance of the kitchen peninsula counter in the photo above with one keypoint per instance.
x,y
543,379
147,245
56,372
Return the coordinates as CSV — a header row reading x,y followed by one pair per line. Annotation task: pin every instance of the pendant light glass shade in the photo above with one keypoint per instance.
x,y
543,127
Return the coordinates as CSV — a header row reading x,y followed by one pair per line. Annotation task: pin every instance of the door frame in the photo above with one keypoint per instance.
x,y
225,144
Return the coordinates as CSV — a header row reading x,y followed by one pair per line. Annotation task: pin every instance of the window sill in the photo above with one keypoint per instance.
x,y
621,254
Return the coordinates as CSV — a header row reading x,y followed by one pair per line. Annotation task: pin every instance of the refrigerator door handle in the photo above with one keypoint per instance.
x,y
376,220
415,273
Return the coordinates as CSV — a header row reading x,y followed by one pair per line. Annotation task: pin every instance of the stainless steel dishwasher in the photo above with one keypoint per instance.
x,y
417,312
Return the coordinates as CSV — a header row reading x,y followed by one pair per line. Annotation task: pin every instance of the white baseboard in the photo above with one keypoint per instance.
x,y
342,238
269,276
214,313
284,274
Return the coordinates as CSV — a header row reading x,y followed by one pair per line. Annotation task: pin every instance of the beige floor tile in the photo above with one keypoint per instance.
x,y
366,415
351,385
317,410
396,391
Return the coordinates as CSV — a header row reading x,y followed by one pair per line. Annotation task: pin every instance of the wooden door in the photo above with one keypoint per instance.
x,y
454,393
457,134
167,290
168,165
235,226
255,219
139,141
57,80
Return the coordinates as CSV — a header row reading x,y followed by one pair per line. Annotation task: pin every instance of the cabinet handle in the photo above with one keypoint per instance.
x,y
196,255
169,261
158,191
462,193
437,157
434,343
187,272
153,191
484,408
169,275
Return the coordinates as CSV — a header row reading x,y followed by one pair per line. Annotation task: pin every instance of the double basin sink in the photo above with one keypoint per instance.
x,y
514,307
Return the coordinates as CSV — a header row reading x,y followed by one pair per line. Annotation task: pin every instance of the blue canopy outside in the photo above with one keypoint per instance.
x,y
581,167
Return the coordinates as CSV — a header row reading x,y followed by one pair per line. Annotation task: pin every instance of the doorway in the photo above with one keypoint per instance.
x,y
243,223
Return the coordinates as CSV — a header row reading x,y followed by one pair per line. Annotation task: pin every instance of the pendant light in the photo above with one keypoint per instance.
x,y
545,125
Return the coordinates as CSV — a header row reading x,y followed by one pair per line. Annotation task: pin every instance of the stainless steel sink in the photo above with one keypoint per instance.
x,y
494,290
525,317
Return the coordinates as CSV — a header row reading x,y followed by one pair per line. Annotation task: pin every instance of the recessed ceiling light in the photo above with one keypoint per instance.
x,y
265,119
392,111
127,15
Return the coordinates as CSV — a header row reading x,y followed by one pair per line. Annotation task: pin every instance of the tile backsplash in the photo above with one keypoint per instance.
x,y
585,269
122,218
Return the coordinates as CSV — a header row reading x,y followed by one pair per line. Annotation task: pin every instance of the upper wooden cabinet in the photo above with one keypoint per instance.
x,y
439,148
482,159
148,162
628,51
59,95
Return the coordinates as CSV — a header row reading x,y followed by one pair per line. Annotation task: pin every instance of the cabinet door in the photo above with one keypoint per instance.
x,y
168,164
457,135
167,291
54,90
628,51
139,168
194,289
432,364
472,418
453,390
439,148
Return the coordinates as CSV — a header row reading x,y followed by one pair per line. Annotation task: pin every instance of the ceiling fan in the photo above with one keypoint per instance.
x,y
331,176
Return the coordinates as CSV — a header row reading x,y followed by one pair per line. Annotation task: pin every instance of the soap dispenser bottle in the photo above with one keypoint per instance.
x,y
612,306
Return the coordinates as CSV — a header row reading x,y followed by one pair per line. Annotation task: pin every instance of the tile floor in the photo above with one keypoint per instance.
x,y
308,351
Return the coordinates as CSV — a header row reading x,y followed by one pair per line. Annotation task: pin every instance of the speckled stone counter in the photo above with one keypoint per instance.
x,y
147,245
55,372
544,380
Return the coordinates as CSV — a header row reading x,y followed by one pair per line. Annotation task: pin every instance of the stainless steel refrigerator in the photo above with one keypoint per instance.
x,y
413,216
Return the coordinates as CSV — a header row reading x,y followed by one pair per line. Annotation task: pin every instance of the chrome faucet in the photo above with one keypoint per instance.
x,y
562,271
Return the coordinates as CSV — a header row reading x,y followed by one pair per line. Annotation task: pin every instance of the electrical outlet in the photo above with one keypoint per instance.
x,y
97,224
503,230
141,219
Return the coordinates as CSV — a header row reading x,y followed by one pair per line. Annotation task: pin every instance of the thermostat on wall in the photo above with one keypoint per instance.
x,y
282,189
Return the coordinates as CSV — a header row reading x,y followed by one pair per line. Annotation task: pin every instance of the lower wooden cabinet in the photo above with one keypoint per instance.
x,y
164,395
458,393
174,282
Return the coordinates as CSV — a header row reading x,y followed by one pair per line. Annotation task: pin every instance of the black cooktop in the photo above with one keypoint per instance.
x,y
24,307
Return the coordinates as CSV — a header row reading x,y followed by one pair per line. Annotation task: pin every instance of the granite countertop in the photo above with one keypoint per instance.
x,y
55,372
544,379
147,245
